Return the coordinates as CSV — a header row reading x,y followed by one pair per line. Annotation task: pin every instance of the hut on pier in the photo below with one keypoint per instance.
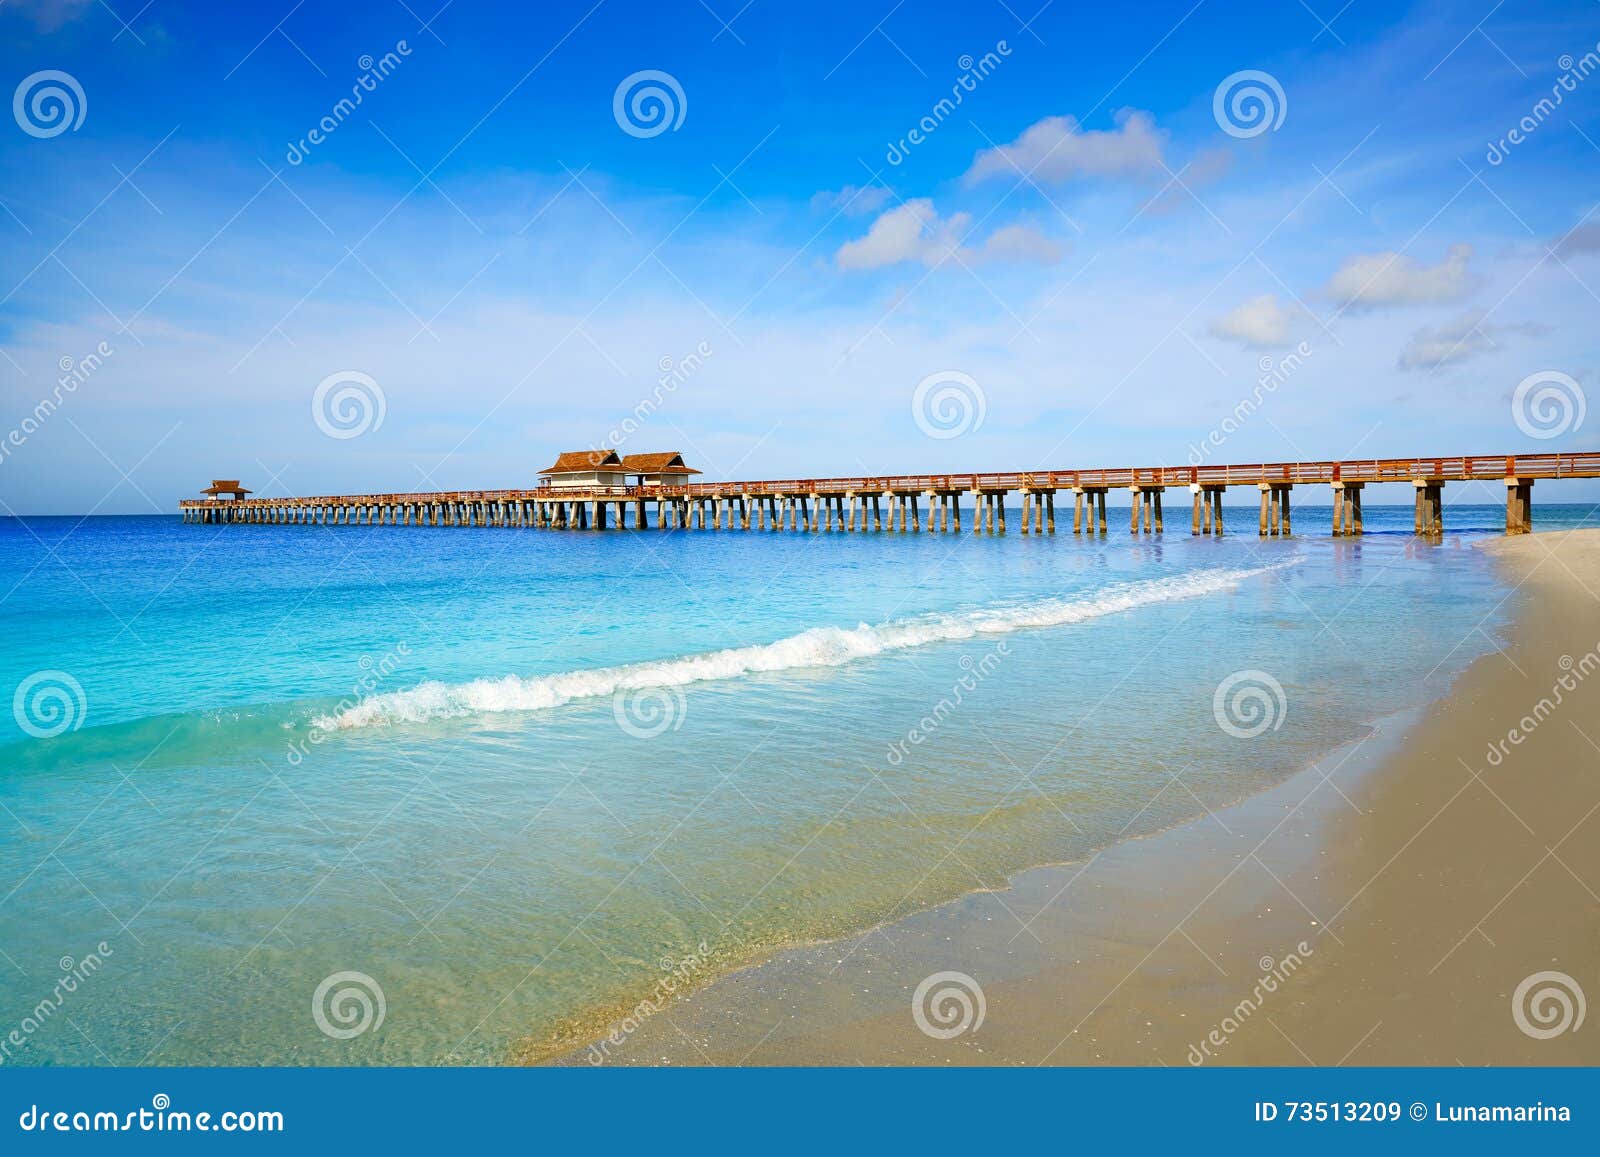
x,y
585,470
225,486
657,469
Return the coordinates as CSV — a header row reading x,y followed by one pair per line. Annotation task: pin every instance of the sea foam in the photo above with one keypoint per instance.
x,y
816,647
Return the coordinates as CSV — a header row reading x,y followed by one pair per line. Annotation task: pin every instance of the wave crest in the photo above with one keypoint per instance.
x,y
817,647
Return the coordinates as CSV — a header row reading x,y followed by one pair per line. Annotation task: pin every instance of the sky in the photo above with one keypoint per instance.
x,y
417,244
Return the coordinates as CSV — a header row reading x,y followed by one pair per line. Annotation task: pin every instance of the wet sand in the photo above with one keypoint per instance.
x,y
1380,907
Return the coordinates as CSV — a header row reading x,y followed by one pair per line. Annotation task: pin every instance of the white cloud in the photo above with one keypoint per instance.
x,y
915,232
853,199
1260,323
1376,279
1456,340
909,232
1056,149
1021,243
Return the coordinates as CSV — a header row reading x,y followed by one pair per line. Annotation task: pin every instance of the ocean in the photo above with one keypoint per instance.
x,y
372,795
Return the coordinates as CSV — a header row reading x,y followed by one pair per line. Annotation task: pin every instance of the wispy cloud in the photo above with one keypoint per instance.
x,y
1461,338
49,15
1021,243
1206,168
1260,323
1379,279
1584,239
1056,150
856,200
916,232
910,232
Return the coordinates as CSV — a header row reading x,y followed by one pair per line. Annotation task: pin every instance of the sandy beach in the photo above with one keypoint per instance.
x,y
1380,907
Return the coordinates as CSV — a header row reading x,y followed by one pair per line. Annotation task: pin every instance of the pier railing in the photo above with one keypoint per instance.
x,y
549,506
1486,467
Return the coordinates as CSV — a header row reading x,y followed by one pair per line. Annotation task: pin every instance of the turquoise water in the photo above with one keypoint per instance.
x,y
515,778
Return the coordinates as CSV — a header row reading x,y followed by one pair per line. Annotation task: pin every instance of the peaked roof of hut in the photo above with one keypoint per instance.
x,y
584,461
225,486
669,463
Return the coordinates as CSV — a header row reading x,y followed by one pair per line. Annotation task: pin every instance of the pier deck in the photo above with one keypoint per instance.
x,y
894,502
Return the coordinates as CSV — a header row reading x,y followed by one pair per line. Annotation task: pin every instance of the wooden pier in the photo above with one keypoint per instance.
x,y
896,503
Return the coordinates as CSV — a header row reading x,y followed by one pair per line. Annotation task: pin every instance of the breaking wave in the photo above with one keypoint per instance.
x,y
817,647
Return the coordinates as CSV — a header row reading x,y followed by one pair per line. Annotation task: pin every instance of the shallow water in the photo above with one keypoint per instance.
x,y
515,778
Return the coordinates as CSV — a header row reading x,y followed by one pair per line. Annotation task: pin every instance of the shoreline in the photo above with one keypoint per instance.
x,y
1339,916
797,964
576,1041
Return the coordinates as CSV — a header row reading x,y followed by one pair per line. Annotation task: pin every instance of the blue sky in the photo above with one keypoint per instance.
x,y
1080,245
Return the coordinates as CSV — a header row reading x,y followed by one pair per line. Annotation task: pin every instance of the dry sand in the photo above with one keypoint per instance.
x,y
1396,895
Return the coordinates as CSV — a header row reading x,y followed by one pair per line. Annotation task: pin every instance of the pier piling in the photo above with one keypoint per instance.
x,y
1429,507
1519,505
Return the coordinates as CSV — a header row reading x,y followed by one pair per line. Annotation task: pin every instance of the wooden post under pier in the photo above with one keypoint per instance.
x,y
1429,520
1275,519
1146,512
1207,509
1519,505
